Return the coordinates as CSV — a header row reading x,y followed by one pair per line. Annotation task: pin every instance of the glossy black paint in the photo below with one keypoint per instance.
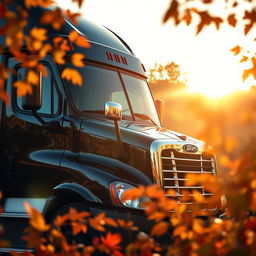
x,y
75,157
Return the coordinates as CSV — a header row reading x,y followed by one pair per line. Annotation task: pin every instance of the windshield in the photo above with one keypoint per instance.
x,y
101,85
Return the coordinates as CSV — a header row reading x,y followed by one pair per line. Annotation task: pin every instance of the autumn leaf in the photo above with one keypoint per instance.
x,y
236,50
250,71
198,197
72,75
187,17
78,228
98,222
244,59
23,88
54,18
180,231
157,216
77,59
232,20
72,16
172,12
198,226
59,56
79,2
159,229
112,241
133,193
110,222
78,39
206,20
36,220
38,33
33,77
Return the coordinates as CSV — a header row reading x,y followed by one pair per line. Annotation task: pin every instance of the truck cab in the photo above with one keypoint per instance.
x,y
91,143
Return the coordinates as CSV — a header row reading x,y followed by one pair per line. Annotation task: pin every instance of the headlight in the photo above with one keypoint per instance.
x,y
117,189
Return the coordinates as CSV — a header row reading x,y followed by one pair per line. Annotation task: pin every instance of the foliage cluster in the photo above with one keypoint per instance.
x,y
187,233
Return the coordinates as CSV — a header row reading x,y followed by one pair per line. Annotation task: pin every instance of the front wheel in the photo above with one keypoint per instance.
x,y
66,229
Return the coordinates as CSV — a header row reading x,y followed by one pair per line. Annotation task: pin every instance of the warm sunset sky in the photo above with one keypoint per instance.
x,y
211,66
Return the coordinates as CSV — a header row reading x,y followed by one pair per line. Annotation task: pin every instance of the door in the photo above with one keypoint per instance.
x,y
33,149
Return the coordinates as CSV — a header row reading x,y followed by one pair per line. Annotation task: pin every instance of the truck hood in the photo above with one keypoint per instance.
x,y
137,134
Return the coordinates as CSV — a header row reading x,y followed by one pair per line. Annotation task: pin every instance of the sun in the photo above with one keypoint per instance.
x,y
215,76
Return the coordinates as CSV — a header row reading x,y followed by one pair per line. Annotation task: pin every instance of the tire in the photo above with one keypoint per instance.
x,y
81,238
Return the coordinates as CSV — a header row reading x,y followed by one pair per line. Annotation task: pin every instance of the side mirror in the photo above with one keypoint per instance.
x,y
113,110
160,107
34,101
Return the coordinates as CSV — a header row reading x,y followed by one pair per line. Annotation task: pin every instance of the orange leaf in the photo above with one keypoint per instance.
x,y
154,191
78,39
72,16
58,57
23,88
112,241
72,75
244,59
157,216
77,59
78,227
60,220
38,33
133,193
159,229
36,220
198,226
110,222
54,18
98,222
236,50
198,197
32,77
232,20
178,231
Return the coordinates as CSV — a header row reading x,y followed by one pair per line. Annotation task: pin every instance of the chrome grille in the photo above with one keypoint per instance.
x,y
175,166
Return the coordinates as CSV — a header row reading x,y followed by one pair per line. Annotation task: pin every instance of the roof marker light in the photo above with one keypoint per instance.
x,y
117,58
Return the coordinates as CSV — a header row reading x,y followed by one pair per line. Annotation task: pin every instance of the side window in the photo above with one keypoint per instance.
x,y
50,98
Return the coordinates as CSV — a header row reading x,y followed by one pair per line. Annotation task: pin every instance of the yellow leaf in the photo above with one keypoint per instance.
x,y
36,220
159,229
23,88
73,76
77,59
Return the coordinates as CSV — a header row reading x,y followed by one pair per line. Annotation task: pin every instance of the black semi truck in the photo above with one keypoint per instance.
x,y
69,144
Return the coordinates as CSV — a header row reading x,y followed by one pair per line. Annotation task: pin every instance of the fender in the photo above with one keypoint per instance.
x,y
67,193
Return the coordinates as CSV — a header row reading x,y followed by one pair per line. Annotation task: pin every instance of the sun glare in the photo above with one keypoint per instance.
x,y
215,77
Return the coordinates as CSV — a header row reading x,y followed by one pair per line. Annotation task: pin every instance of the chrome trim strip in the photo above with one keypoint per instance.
x,y
14,215
187,171
156,148
186,159
8,250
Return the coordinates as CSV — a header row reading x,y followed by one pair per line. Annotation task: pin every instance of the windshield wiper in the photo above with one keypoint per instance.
x,y
144,117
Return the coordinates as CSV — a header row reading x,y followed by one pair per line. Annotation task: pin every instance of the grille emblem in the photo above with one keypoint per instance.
x,y
190,148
